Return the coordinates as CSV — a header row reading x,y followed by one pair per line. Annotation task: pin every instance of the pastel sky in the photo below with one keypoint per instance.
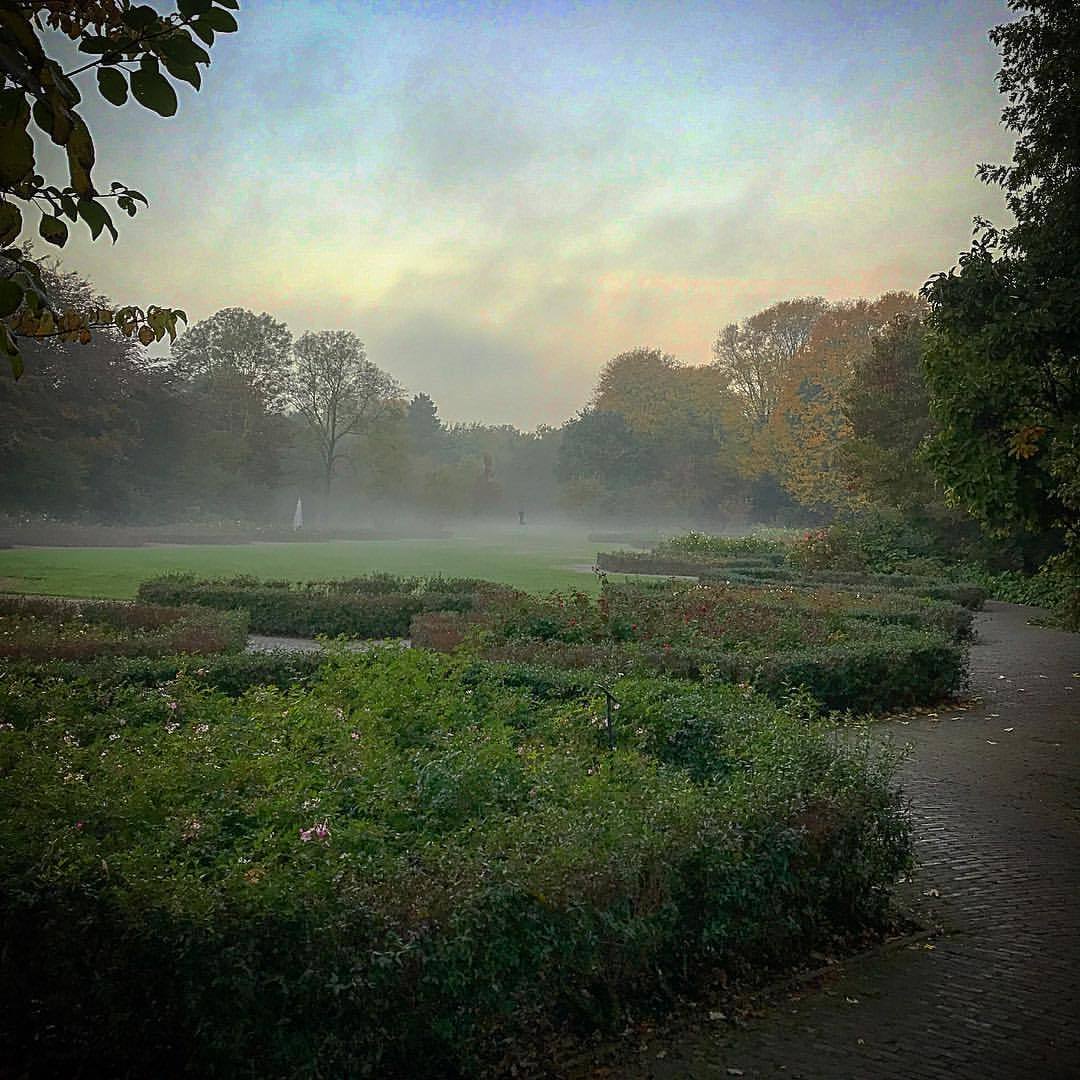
x,y
498,197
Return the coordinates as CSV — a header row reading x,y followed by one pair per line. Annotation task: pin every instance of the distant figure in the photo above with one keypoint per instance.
x,y
298,516
521,517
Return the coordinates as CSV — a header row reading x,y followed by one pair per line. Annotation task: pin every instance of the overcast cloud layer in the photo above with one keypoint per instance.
x,y
499,198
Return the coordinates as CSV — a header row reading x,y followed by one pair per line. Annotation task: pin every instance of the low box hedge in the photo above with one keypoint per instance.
x,y
408,862
379,606
44,628
849,651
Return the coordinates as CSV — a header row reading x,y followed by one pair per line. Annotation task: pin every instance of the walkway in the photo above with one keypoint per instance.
x,y
995,797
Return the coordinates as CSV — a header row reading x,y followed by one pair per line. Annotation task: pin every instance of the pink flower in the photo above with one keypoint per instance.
x,y
319,831
80,825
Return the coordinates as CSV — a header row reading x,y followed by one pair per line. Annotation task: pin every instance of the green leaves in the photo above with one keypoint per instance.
x,y
10,223
219,20
113,85
16,146
96,216
11,296
152,90
53,230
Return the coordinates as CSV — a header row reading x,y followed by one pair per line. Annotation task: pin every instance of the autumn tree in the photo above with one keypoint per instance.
x,y
1003,353
338,392
756,354
133,51
809,425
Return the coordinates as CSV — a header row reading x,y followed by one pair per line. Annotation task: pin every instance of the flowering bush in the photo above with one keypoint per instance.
x,y
832,548
697,543
371,876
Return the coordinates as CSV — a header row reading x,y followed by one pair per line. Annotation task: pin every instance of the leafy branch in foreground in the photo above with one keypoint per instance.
x,y
136,52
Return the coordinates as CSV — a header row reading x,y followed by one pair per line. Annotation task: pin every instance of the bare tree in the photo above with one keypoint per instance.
x,y
338,391
757,352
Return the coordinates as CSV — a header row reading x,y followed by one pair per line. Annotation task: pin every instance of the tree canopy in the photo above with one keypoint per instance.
x,y
1003,352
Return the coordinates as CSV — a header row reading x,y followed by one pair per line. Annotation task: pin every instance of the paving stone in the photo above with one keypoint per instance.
x,y
998,830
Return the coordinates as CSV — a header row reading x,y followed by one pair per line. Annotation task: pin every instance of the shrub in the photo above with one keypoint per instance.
x,y
849,650
379,606
702,544
40,628
370,877
964,594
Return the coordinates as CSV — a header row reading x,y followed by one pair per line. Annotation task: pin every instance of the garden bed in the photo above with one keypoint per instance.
x,y
849,651
380,874
47,628
376,606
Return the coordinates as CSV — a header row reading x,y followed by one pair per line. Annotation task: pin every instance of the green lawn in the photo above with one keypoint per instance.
x,y
529,560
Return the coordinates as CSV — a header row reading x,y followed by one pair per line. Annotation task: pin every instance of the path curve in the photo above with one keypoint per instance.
x,y
995,796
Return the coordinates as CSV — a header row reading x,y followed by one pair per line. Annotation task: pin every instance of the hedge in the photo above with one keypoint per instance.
x,y
379,606
394,871
680,565
850,652
43,628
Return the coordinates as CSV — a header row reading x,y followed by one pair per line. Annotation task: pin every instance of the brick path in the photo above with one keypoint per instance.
x,y
995,795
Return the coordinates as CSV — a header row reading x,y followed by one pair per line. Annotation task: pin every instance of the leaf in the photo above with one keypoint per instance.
x,y
16,146
11,350
146,335
152,90
141,18
11,296
53,230
113,85
95,44
204,30
219,20
10,223
182,49
189,73
80,155
188,8
96,217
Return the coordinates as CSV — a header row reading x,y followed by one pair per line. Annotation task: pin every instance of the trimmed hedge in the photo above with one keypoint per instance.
x,y
393,871
850,652
677,565
379,606
44,628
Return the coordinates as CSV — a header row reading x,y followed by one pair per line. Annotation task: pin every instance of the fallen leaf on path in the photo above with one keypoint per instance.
x,y
990,742
1008,729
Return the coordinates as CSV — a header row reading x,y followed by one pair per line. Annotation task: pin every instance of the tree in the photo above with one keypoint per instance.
x,y
1003,352
235,346
422,424
757,353
338,391
809,426
130,45
636,384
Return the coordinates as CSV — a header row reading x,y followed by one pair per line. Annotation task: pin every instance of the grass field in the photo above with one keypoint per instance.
x,y
536,561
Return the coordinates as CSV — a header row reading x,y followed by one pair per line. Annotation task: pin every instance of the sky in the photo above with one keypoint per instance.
x,y
499,197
